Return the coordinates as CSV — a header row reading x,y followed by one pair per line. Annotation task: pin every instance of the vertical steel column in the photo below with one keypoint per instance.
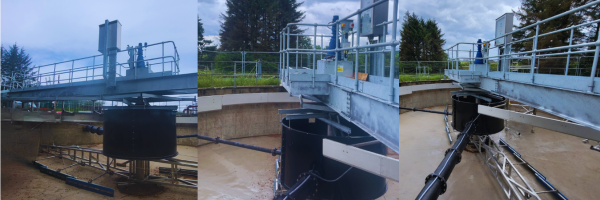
x,y
280,64
358,15
569,55
594,65
297,38
40,77
72,67
93,67
335,60
53,74
457,58
322,47
314,56
288,56
163,58
534,48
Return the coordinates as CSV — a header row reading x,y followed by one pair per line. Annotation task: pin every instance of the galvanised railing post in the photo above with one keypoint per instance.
x,y
322,47
234,73
534,48
594,65
358,16
287,46
335,60
569,55
40,78
297,39
54,74
163,58
314,56
393,50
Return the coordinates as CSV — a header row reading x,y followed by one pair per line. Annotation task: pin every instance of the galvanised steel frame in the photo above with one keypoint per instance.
x,y
372,105
575,98
52,75
513,184
77,154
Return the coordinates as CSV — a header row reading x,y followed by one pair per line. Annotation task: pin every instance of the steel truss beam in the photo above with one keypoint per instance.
x,y
94,90
77,153
514,185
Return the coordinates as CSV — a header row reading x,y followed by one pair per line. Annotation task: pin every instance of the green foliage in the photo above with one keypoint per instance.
x,y
16,61
202,43
206,80
254,25
532,11
421,40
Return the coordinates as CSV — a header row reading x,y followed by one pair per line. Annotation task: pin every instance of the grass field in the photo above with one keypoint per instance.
x,y
412,77
226,80
206,81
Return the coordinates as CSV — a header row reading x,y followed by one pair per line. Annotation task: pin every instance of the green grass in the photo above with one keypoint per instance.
x,y
204,81
412,77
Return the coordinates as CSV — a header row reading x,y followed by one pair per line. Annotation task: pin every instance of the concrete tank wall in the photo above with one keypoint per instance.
x,y
244,120
69,133
426,94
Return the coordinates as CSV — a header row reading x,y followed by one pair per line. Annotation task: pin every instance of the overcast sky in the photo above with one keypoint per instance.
x,y
60,30
460,20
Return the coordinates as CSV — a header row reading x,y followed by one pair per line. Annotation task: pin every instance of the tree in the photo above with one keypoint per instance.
x,y
202,43
16,66
420,40
254,25
433,42
532,11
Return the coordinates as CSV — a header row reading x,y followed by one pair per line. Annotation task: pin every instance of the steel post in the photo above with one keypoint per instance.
x,y
534,48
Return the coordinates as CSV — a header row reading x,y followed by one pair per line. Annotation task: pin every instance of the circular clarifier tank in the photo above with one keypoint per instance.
x,y
464,109
302,150
140,133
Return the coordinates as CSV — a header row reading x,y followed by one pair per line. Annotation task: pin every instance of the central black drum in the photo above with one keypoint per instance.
x,y
302,150
140,132
464,110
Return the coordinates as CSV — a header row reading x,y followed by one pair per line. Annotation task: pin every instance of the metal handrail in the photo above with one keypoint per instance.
x,y
535,53
173,59
285,49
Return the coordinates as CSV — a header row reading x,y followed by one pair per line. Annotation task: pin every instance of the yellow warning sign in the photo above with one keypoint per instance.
x,y
340,69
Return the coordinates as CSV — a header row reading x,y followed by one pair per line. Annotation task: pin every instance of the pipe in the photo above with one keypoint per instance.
x,y
435,183
186,136
429,111
217,140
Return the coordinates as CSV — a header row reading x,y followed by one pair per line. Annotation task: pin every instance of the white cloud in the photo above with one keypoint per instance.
x,y
460,20
53,31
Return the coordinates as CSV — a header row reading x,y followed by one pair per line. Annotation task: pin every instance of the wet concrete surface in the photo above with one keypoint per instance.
x,y
566,162
20,180
229,172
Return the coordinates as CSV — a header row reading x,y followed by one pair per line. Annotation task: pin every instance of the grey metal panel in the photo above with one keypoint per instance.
x,y
365,160
292,111
376,90
114,36
543,122
346,82
583,108
306,116
378,119
342,128
306,88
317,106
166,85
308,77
560,81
